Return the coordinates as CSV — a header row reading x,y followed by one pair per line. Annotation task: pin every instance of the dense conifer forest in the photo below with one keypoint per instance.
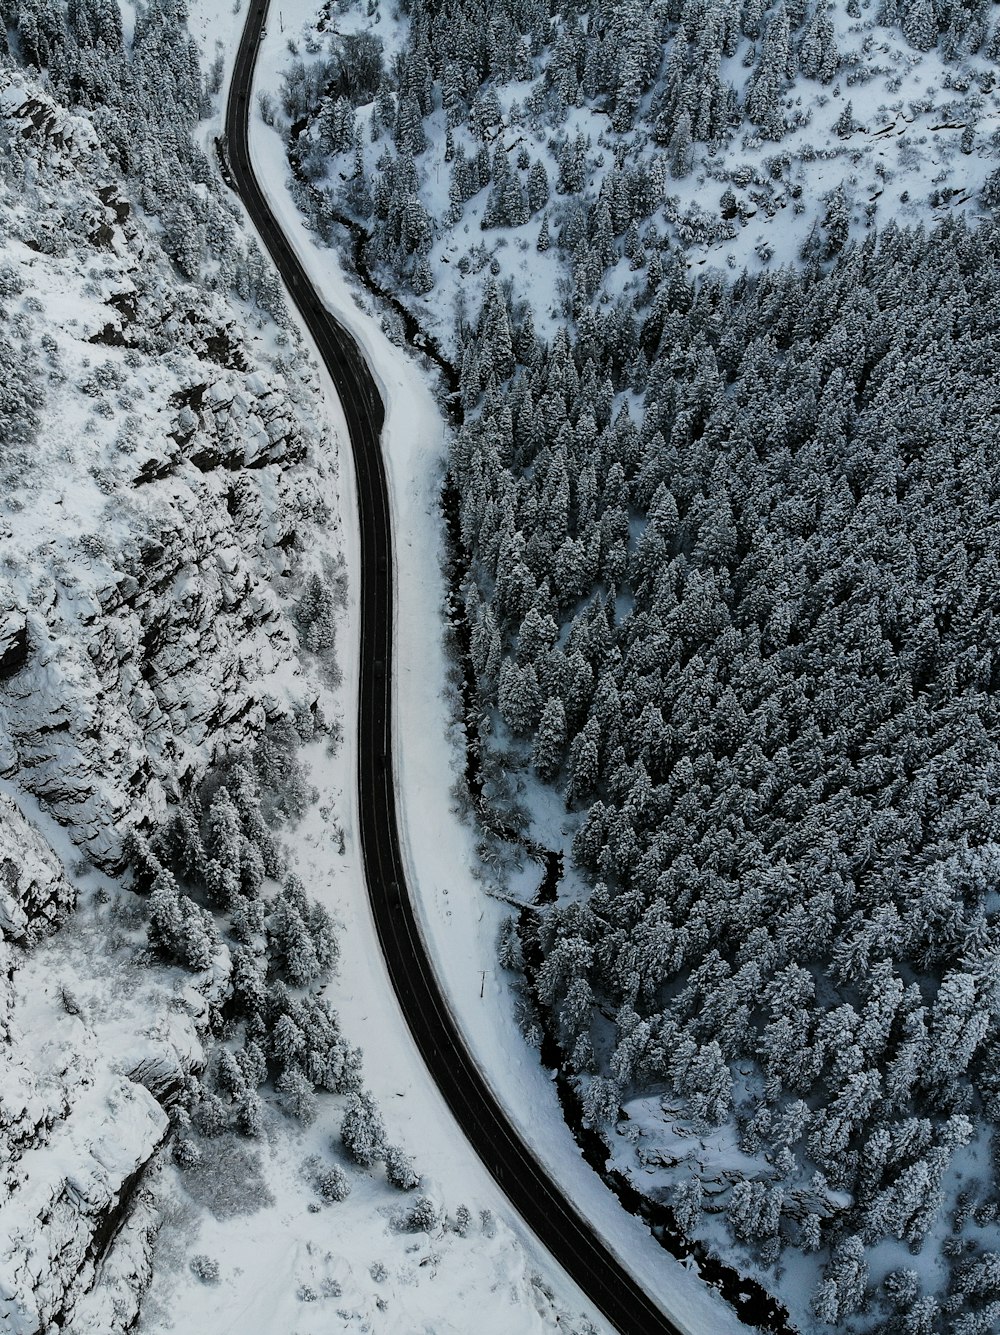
x,y
730,544
749,633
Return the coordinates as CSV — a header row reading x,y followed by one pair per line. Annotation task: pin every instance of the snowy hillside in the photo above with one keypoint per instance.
x,y
154,487
157,466
561,155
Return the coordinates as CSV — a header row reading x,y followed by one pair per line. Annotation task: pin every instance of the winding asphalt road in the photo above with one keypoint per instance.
x,y
535,1196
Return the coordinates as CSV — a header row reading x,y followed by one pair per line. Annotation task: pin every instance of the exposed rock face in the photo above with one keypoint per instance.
x,y
66,1227
34,892
75,1139
84,1087
141,656
141,622
13,641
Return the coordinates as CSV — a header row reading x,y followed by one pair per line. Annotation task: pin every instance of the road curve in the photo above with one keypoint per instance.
x,y
531,1191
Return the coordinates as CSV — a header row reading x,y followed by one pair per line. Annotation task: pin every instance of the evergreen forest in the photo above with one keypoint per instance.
x,y
728,554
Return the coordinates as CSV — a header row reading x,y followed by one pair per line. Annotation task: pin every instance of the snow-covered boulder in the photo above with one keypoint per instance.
x,y
34,892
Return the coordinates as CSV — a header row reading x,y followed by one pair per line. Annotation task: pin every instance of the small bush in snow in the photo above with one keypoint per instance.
x,y
422,1216
399,1169
186,1153
229,1181
205,1268
332,1183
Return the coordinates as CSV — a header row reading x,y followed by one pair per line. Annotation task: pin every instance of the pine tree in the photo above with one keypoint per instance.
x,y
681,153
252,1063
222,831
769,78
584,765
399,1169
246,979
296,1095
687,1205
291,943
288,1043
229,1074
550,739
494,328
601,1101
519,698
836,222
183,848
538,186
315,615
920,25
422,281
166,921
362,1130
250,1115
422,1216
846,124
842,1288
210,1114
818,58
754,1211
179,927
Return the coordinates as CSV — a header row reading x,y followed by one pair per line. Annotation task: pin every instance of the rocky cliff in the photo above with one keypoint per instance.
x,y
164,468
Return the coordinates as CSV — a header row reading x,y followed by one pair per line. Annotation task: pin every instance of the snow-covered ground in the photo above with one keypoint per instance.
x,y
460,921
288,1265
905,136
103,724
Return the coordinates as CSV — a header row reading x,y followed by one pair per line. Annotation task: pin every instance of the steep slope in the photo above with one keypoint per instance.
x,y
162,466
152,504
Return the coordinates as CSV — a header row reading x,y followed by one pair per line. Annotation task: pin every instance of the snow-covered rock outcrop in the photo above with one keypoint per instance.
x,y
77,1137
77,1130
162,466
170,478
34,892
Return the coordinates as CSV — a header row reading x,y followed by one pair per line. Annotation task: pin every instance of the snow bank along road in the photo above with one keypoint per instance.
x,y
531,1191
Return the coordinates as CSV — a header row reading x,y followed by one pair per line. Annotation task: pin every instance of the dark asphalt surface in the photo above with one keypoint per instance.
x,y
532,1192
